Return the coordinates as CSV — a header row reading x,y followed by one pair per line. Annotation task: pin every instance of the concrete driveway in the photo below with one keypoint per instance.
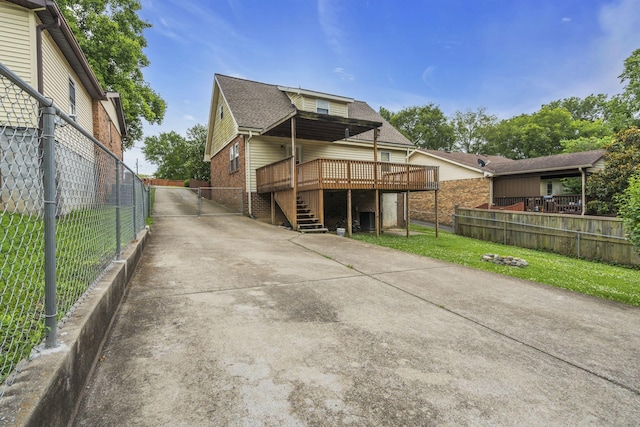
x,y
229,321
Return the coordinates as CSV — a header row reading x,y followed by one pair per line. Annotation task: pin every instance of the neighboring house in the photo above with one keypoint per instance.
x,y
471,180
308,158
37,44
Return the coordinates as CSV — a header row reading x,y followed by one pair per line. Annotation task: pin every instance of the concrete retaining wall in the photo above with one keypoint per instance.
x,y
47,390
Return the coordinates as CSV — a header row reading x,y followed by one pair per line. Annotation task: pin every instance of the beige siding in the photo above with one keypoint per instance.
x,y
17,41
225,129
56,84
448,171
110,108
335,108
296,99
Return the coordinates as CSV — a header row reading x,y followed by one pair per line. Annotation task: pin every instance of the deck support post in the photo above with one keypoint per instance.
x,y
583,195
435,204
377,213
273,208
349,216
408,211
294,176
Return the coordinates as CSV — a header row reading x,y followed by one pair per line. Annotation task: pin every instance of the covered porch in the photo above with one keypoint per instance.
x,y
298,189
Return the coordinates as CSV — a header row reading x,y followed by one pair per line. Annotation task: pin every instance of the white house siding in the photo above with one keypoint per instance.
x,y
56,83
75,154
448,171
17,41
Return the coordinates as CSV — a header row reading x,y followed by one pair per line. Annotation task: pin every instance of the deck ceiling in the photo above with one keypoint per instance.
x,y
322,127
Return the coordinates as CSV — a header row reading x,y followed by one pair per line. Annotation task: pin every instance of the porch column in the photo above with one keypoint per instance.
x,y
375,179
273,208
584,195
294,176
408,211
377,213
349,217
435,200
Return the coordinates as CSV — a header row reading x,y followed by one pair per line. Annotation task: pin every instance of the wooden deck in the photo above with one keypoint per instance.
x,y
567,204
341,174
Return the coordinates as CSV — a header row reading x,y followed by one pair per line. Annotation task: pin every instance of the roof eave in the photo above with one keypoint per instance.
x,y
540,170
48,11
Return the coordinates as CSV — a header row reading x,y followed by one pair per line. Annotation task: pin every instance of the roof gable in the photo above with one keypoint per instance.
x,y
260,106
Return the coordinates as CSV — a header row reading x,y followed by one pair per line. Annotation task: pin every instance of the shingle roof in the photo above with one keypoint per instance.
x,y
469,159
547,163
259,105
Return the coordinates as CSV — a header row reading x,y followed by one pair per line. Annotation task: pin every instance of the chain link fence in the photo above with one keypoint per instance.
x,y
68,208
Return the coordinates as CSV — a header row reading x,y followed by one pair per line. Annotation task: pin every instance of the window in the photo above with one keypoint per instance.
x,y
221,112
322,106
385,157
550,188
298,152
72,99
234,157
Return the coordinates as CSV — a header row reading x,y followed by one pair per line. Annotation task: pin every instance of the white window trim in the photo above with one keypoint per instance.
x,y
321,104
73,106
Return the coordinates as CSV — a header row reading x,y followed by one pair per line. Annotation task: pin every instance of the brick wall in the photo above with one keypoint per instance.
x,y
467,193
105,131
222,177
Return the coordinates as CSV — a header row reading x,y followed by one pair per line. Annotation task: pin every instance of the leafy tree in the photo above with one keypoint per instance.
x,y
110,34
425,126
629,209
470,129
178,157
631,75
591,108
197,141
584,144
621,162
541,133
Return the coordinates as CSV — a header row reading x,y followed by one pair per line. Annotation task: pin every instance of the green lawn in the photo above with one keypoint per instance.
x,y
587,277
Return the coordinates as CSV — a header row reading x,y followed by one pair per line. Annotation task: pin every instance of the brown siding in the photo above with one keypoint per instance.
x,y
463,192
516,186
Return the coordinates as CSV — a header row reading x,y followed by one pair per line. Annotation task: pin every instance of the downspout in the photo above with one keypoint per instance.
x,y
247,166
583,174
39,65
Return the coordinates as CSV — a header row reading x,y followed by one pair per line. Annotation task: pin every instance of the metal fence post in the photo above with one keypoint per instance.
x,y
118,183
49,186
135,205
199,202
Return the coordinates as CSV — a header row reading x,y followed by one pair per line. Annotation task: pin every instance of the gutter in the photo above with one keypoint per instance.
x,y
39,65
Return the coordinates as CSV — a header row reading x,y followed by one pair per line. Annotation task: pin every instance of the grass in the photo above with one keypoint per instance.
x,y
587,277
85,246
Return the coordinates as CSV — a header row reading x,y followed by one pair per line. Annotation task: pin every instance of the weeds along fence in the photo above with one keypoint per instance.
x,y
595,238
68,208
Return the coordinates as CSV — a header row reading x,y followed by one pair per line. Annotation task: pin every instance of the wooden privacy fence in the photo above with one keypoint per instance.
x,y
589,237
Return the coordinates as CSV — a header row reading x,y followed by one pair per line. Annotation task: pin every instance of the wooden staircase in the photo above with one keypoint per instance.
x,y
307,222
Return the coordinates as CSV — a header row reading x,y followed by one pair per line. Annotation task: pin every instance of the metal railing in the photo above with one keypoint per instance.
x,y
68,208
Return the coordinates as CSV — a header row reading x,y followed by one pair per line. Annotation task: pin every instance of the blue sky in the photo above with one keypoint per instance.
x,y
510,56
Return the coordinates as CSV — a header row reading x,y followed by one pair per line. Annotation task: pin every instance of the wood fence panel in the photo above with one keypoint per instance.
x,y
597,238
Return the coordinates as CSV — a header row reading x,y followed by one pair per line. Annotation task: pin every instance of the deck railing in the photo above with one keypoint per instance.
x,y
566,203
275,176
341,174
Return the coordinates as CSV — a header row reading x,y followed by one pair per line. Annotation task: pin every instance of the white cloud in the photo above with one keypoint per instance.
x,y
427,76
343,74
566,19
328,16
189,117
